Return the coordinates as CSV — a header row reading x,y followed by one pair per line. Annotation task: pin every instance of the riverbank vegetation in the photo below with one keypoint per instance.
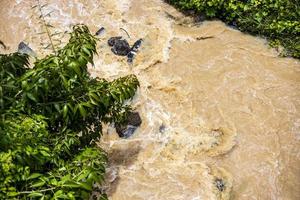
x,y
277,20
51,117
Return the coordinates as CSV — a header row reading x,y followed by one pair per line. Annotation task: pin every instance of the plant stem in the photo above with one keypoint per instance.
x,y
28,192
45,24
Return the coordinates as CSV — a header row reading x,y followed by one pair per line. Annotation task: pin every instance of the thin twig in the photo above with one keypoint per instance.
x,y
125,32
28,192
46,26
204,38
2,43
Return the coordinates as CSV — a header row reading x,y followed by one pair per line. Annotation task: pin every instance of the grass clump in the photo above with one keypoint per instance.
x,y
50,118
278,20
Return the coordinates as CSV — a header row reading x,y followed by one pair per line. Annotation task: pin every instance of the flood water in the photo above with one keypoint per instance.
x,y
220,115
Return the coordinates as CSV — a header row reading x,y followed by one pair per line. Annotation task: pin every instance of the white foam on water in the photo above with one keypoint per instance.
x,y
157,113
19,1
58,15
123,5
168,44
111,70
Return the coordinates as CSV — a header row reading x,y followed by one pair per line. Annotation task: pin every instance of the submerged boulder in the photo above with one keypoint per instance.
x,y
128,128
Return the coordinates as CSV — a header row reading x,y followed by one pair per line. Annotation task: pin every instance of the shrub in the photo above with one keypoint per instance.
x,y
277,20
51,116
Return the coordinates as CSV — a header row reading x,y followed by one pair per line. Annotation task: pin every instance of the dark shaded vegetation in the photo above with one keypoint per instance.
x,y
277,20
50,119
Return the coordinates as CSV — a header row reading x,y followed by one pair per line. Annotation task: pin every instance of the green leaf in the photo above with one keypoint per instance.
x,y
45,153
87,51
83,175
12,194
82,110
71,185
86,186
34,175
24,84
94,96
38,184
58,192
35,194
32,97
65,111
57,107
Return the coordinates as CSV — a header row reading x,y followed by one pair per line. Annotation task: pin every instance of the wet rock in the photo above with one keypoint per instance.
x,y
133,122
137,44
233,25
162,128
220,184
131,55
126,131
134,49
100,31
199,18
111,41
134,119
25,49
119,46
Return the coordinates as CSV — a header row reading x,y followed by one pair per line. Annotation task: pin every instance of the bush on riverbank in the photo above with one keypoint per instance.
x,y
278,20
50,118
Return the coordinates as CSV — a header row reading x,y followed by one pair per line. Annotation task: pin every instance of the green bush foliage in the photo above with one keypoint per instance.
x,y
51,116
277,20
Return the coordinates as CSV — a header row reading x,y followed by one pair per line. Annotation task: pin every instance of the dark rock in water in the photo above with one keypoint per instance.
x,y
220,184
162,128
127,131
111,41
100,31
233,25
133,122
199,18
133,51
130,56
25,49
134,119
137,45
119,46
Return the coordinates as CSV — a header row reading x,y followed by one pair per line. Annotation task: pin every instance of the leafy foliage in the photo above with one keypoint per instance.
x,y
51,117
11,68
278,20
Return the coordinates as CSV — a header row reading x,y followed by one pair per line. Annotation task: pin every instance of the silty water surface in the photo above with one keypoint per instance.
x,y
220,115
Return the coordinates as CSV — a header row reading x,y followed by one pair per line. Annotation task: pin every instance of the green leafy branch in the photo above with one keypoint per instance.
x,y
50,119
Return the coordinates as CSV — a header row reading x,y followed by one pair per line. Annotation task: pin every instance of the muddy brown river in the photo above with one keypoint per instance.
x,y
221,115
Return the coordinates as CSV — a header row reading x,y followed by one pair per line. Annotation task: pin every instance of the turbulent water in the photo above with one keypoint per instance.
x,y
220,109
